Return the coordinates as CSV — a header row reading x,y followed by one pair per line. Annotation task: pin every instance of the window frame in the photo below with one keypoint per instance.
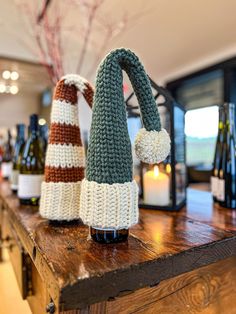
x,y
228,68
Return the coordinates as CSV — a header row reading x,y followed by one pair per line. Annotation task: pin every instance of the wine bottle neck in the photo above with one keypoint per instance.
x,y
20,132
34,133
9,138
20,138
221,118
230,122
34,127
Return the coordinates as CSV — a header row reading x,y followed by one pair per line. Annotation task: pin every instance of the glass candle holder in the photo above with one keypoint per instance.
x,y
162,186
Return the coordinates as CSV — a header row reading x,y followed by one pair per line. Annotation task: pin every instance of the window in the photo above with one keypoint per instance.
x,y
201,91
201,127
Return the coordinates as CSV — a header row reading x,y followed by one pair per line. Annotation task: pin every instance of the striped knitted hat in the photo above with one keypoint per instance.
x,y
109,195
64,166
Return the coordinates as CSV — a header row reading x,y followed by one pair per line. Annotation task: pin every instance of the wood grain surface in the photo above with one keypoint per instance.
x,y
79,272
209,289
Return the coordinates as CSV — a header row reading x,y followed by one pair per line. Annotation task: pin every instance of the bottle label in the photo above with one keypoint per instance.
x,y
14,179
221,190
6,169
29,185
214,186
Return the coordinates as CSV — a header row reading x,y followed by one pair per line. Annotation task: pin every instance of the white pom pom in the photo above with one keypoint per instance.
x,y
152,146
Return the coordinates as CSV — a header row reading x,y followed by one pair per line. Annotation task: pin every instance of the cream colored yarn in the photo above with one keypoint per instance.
x,y
65,195
117,206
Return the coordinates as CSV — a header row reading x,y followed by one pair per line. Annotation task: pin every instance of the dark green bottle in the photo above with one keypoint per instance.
x,y
43,132
6,166
18,150
31,166
109,235
227,173
218,155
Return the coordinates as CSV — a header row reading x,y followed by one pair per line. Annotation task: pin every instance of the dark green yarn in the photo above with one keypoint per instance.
x,y
109,154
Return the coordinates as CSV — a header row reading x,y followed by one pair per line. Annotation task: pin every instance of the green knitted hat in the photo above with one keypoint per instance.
x,y
109,195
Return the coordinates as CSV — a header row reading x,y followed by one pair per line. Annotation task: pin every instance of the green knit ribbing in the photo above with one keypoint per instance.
x,y
109,154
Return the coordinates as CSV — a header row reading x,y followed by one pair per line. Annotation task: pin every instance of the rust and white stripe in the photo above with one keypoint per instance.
x,y
70,156
64,112
59,174
65,161
64,134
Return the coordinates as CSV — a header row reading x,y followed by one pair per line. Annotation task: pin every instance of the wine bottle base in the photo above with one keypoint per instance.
x,y
228,206
109,236
64,223
215,200
31,201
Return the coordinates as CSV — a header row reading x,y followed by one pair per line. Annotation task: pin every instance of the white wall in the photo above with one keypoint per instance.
x,y
17,108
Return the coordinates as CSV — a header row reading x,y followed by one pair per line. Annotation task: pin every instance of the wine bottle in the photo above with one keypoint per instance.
x,y
18,150
6,166
218,152
31,166
43,132
109,235
227,172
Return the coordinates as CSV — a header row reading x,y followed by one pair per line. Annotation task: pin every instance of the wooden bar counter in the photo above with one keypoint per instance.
x,y
173,262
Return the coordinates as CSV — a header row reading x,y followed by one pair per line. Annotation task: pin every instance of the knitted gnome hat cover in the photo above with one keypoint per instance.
x,y
65,161
109,195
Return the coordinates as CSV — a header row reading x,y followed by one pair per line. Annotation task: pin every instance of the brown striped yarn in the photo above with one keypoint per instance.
x,y
64,167
59,174
66,92
88,94
64,134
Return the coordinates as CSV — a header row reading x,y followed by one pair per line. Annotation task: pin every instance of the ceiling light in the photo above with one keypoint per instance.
x,y
6,75
2,88
14,89
42,121
14,75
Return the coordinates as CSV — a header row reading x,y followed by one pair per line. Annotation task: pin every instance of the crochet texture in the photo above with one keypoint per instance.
x,y
109,153
65,161
109,196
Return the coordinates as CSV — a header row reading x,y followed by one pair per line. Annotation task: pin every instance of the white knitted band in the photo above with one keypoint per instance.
x,y
152,146
65,155
64,112
60,201
74,79
105,205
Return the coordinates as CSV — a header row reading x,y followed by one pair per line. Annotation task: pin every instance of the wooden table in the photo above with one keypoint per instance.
x,y
173,262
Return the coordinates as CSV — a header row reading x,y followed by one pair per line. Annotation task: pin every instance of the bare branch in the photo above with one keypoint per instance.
x,y
53,33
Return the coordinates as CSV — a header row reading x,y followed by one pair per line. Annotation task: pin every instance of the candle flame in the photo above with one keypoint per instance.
x,y
156,171
168,168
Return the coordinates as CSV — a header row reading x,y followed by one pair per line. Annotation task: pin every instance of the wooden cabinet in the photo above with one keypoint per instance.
x,y
20,259
183,262
40,298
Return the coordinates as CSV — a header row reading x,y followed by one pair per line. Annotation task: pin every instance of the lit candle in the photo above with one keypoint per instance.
x,y
156,186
